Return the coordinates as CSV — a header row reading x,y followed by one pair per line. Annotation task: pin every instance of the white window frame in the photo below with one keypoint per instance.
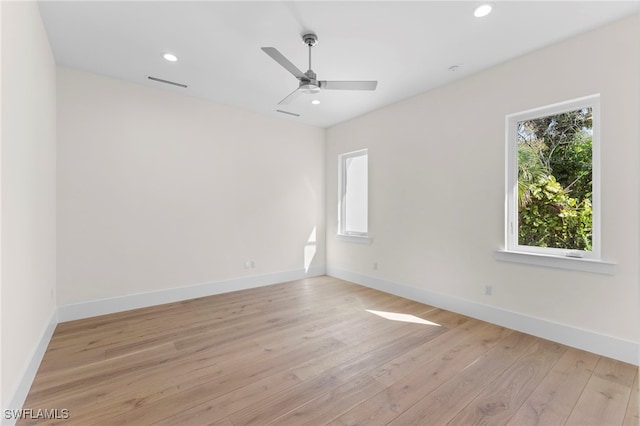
x,y
514,251
342,205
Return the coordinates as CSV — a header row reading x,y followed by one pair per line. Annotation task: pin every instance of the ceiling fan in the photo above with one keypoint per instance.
x,y
308,81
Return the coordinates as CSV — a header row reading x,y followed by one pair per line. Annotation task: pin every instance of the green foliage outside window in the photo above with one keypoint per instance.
x,y
555,181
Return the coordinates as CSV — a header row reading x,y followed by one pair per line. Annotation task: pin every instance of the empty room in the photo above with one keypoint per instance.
x,y
320,213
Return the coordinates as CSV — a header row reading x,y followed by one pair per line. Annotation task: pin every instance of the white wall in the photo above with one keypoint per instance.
x,y
28,188
437,186
158,190
2,403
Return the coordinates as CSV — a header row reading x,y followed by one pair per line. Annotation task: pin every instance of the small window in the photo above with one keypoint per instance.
x,y
353,181
553,190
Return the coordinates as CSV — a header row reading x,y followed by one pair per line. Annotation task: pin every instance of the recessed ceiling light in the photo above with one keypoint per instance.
x,y
315,102
482,10
170,57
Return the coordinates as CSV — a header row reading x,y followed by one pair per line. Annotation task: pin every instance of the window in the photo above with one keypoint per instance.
x,y
353,191
553,191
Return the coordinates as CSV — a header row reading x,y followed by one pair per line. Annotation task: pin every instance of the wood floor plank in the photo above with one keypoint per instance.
x,y
632,415
332,403
319,351
441,405
357,346
158,401
412,361
552,401
425,377
277,405
231,402
362,340
497,403
606,396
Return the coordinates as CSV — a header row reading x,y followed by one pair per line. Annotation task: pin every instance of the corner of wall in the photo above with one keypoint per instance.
x,y
18,396
28,204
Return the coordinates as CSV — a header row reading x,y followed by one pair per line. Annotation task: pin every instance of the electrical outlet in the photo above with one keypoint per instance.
x,y
488,290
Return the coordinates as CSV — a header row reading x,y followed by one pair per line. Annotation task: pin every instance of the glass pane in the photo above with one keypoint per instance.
x,y
555,181
356,195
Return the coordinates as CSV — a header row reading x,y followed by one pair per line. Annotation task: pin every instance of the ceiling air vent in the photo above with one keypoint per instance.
x,y
289,113
167,81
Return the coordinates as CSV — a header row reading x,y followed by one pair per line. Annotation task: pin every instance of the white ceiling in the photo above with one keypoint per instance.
x,y
407,46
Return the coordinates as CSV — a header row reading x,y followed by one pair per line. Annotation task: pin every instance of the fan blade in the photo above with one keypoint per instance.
x,y
279,58
348,85
290,97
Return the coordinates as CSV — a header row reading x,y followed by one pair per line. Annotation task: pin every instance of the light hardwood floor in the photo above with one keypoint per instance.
x,y
313,352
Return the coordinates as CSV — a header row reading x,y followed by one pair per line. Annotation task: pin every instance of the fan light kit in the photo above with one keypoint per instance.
x,y
170,57
308,82
482,10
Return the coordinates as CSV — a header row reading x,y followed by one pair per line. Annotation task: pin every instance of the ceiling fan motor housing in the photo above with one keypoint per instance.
x,y
310,84
310,39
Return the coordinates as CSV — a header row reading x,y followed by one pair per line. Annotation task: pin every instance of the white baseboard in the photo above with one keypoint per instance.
x,y
142,300
612,347
19,395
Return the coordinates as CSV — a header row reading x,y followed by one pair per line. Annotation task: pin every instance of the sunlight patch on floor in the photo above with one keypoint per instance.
x,y
394,316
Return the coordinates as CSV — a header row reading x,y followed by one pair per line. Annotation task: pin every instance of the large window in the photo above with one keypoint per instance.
x,y
553,191
353,187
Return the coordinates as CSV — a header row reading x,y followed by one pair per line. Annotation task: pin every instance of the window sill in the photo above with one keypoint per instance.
x,y
361,239
571,263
